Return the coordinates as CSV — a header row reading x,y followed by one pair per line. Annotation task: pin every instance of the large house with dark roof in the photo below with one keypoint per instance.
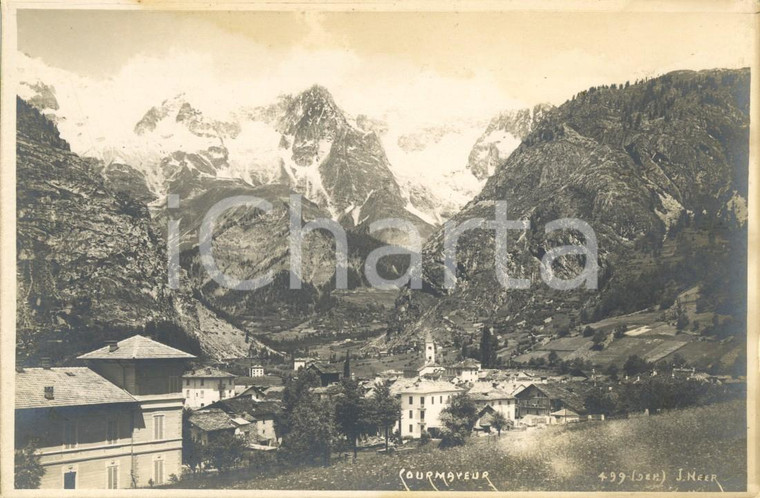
x,y
209,423
329,373
544,399
116,423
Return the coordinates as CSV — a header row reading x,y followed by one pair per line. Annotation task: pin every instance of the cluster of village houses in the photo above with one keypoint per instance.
x,y
117,422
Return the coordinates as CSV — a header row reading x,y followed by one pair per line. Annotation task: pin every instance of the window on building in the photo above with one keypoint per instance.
x,y
112,473
422,400
187,382
201,381
112,431
411,400
70,480
188,393
158,426
422,415
441,400
432,400
411,414
411,428
69,434
202,391
158,472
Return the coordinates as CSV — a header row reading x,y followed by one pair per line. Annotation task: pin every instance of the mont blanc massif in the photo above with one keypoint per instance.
x,y
657,167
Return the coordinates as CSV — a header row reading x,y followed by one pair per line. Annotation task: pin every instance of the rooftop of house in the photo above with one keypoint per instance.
x,y
493,394
327,368
424,387
211,419
467,363
331,389
243,406
71,386
418,364
136,347
570,395
274,392
486,419
264,380
207,373
240,421
564,413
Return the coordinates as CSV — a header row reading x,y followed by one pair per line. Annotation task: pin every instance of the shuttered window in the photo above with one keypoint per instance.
x,y
113,476
158,426
158,472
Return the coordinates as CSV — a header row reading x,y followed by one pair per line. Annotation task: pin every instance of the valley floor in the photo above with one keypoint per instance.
x,y
707,443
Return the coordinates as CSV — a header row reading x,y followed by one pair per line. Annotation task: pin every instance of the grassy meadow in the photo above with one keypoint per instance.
x,y
707,440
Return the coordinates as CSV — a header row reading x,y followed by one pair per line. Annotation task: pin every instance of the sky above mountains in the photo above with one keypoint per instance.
x,y
409,67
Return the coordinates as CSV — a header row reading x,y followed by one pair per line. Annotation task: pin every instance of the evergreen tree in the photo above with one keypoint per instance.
x,y
635,365
28,470
351,412
192,451
312,433
488,347
385,409
347,366
297,390
553,357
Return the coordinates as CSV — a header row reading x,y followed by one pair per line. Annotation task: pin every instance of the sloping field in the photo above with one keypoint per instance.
x,y
567,344
663,349
707,441
643,346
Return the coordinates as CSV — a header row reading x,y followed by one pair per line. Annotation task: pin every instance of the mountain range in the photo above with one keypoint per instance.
x,y
357,168
657,168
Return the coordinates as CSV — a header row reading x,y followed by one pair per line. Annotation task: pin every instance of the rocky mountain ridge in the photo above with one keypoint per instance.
x,y
91,265
657,168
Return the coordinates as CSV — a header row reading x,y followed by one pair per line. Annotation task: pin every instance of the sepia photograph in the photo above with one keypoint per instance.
x,y
373,247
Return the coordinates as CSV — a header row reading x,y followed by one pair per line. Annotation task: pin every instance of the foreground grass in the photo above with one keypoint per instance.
x,y
708,440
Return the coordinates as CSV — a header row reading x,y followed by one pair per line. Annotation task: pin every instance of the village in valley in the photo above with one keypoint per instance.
x,y
143,414
357,249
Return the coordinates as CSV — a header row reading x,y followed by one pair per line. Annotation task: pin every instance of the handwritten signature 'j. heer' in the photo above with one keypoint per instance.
x,y
658,477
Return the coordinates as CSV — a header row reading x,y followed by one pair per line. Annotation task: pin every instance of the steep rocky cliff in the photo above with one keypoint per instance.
x,y
501,137
91,265
658,169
